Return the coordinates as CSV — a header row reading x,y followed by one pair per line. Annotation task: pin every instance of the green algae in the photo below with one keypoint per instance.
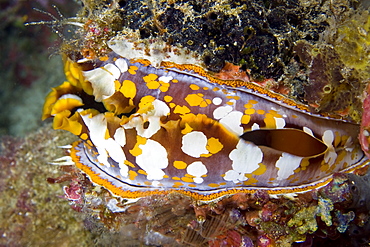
x,y
337,66
325,206
304,220
32,211
353,42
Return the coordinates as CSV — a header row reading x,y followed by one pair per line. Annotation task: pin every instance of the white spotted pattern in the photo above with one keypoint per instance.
x,y
120,136
152,159
255,126
197,169
217,101
308,131
280,122
246,158
286,164
153,118
222,111
232,121
121,64
194,144
330,155
229,118
102,80
97,126
165,79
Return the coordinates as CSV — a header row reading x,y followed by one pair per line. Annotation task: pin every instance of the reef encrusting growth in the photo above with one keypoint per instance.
x,y
336,215
335,67
291,42
32,211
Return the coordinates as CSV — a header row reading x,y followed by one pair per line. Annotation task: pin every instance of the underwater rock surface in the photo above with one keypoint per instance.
x,y
290,48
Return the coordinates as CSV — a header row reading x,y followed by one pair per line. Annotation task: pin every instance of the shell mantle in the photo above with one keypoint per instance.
x,y
148,129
